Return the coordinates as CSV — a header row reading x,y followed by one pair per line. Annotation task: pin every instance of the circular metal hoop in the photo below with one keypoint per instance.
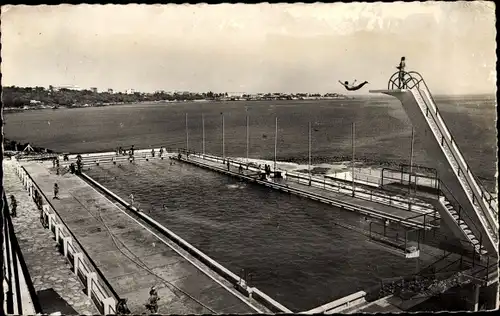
x,y
404,80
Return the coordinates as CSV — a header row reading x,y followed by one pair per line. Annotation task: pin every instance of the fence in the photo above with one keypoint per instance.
x,y
97,287
17,281
447,271
414,181
373,195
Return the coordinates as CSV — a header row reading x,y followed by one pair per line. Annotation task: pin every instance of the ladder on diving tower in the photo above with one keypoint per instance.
x,y
465,205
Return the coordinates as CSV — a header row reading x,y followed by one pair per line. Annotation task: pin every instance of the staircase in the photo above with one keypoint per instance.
x,y
463,226
478,209
487,214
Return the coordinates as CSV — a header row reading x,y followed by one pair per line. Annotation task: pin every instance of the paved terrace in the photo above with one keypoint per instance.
x,y
47,267
132,258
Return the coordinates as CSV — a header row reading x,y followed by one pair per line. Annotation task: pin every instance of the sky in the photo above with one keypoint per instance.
x,y
250,48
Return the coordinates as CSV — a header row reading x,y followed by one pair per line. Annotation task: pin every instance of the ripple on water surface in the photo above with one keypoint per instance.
x,y
290,245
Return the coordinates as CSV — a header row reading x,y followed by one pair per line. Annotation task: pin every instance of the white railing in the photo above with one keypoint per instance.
x,y
483,215
97,287
334,186
370,211
481,192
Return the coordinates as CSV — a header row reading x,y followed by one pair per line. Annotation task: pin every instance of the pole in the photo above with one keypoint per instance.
x,y
309,167
248,135
223,149
187,135
203,132
411,158
353,131
275,143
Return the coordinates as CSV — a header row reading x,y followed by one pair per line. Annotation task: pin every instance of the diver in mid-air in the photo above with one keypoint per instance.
x,y
352,87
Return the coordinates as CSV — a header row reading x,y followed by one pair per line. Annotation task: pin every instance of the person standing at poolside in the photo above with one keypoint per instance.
x,y
152,303
13,206
56,191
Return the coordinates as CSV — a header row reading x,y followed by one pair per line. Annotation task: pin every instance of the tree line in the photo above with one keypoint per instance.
x,y
18,97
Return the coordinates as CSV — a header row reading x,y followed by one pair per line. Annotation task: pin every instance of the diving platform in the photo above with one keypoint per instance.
x,y
467,207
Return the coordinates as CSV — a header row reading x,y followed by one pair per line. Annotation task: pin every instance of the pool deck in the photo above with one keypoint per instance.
x,y
132,258
48,269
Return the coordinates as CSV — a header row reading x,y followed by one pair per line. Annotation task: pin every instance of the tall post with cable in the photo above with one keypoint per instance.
x,y
247,135
203,133
187,135
275,144
353,146
309,166
223,149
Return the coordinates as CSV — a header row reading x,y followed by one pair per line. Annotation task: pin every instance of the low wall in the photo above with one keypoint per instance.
x,y
340,304
97,287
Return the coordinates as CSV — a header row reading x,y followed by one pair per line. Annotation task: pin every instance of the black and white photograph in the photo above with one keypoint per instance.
x,y
267,158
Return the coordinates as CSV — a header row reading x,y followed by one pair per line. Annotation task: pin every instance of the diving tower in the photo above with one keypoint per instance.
x,y
466,207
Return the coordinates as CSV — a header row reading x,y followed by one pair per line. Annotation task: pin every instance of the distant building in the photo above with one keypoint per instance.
x,y
130,91
68,87
110,91
93,89
235,94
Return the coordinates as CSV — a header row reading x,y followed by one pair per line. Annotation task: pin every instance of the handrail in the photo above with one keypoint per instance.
x,y
460,159
485,212
372,192
474,178
411,79
309,194
331,183
438,121
392,170
17,253
445,132
87,256
460,212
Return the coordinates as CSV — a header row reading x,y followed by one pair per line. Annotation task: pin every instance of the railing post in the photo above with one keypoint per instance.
x,y
45,209
109,304
66,241
51,221
92,276
473,255
406,237
77,256
480,244
57,232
